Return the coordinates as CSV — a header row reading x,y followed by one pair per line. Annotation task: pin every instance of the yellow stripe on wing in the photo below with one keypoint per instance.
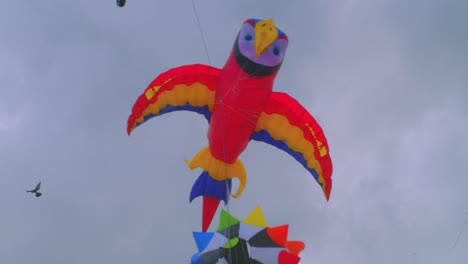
x,y
196,94
149,94
279,128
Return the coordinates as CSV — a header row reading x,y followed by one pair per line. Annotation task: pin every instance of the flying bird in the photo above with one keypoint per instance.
x,y
239,104
36,190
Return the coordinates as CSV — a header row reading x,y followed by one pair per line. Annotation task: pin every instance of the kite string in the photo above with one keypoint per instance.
x,y
201,32
208,55
228,191
459,234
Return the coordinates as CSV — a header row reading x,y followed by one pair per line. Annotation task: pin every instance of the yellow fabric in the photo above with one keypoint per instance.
x,y
218,169
149,93
265,34
279,128
196,94
256,218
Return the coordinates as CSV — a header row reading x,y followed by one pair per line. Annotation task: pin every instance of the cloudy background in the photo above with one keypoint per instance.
x,y
387,80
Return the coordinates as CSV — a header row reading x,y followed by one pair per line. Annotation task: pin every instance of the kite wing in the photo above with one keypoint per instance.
x,y
190,87
287,125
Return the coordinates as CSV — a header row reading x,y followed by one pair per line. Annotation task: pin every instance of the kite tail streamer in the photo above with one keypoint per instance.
x,y
215,182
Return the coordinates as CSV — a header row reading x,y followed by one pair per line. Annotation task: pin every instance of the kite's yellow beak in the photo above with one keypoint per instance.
x,y
265,34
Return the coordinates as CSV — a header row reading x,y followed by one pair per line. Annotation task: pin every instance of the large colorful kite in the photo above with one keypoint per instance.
x,y
247,241
240,105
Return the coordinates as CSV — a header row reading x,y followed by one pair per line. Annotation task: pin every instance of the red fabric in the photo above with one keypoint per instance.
x,y
210,205
285,257
278,234
239,102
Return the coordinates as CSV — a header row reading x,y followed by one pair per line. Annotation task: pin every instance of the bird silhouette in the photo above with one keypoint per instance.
x,y
36,190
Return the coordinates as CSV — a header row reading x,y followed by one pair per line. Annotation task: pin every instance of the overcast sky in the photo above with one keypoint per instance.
x,y
387,81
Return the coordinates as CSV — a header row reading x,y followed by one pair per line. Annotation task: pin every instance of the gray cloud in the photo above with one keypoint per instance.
x,y
386,80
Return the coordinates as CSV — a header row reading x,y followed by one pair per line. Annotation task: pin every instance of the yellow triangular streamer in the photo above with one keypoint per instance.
x,y
256,218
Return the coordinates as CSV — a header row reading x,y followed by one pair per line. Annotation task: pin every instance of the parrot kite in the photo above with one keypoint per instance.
x,y
239,104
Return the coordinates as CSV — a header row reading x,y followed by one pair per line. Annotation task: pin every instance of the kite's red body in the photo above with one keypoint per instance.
x,y
241,99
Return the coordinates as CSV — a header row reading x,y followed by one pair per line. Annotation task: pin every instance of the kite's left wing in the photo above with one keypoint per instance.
x,y
189,87
285,124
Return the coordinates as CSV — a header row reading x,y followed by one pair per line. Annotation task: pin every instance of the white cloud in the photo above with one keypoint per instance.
x,y
11,121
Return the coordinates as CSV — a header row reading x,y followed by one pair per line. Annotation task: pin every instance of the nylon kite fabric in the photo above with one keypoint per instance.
x,y
239,103
250,241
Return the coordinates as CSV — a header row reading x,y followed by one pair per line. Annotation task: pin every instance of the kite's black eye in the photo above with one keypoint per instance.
x,y
248,37
276,51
